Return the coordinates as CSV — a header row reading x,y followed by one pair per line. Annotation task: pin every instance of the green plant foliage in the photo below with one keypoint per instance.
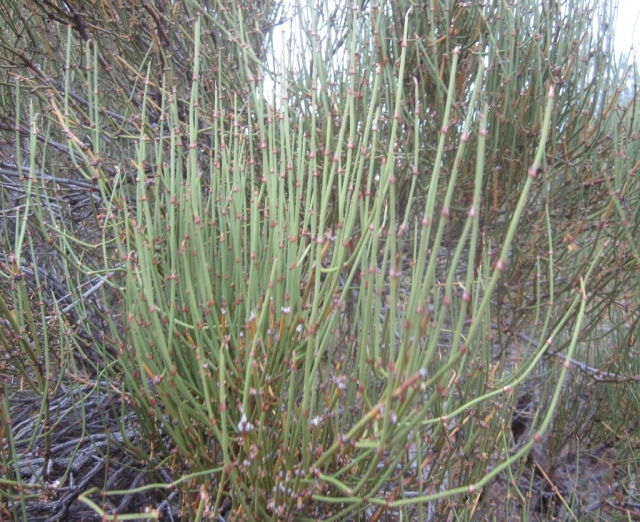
x,y
402,279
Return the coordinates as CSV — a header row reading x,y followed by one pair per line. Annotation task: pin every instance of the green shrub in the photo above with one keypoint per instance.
x,y
328,306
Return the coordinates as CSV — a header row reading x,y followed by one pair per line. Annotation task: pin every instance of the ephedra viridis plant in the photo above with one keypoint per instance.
x,y
322,299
